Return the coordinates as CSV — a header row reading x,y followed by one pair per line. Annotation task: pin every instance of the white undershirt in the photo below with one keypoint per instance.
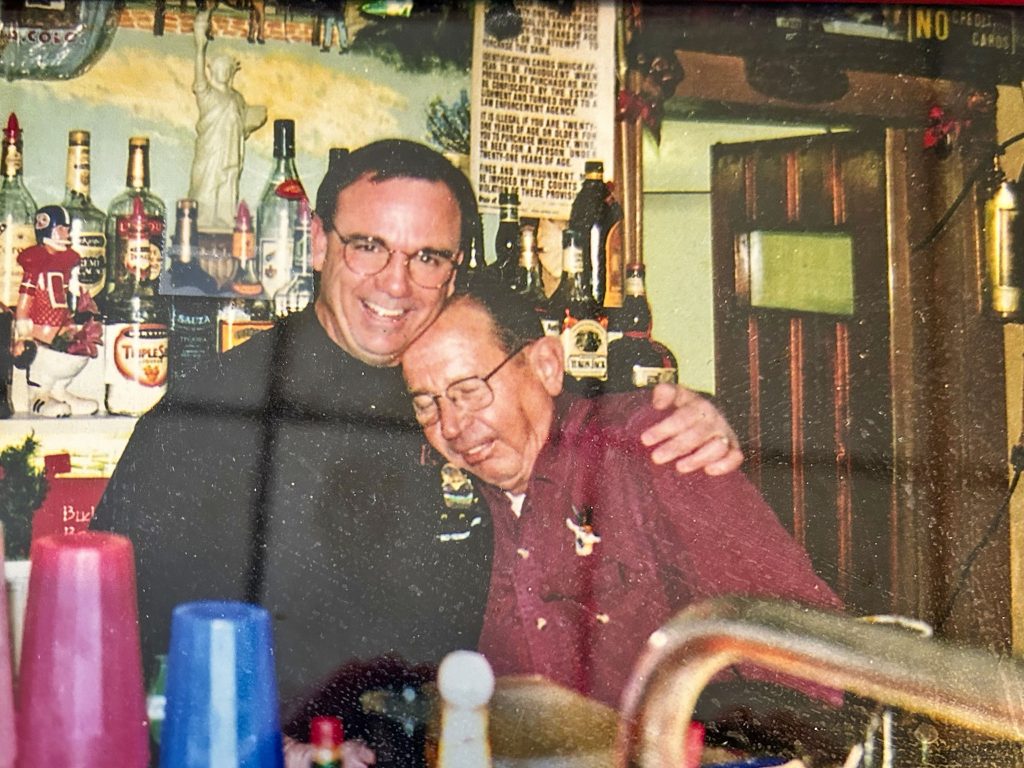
x,y
517,500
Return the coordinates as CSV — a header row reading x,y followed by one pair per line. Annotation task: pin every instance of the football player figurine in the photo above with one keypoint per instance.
x,y
44,319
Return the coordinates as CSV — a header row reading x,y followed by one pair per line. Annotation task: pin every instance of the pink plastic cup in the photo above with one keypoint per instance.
x,y
81,701
8,738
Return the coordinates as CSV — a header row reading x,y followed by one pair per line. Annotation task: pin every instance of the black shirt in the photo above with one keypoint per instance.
x,y
294,475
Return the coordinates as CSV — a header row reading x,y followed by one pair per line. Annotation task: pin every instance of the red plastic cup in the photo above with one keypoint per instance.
x,y
8,738
81,700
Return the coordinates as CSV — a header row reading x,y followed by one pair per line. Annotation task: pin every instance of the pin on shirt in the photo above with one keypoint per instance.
x,y
582,529
458,518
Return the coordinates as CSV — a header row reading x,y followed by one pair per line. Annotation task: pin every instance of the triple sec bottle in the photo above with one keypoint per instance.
x,y
135,336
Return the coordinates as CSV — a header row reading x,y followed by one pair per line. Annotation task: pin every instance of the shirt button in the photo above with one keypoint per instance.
x,y
541,623
523,553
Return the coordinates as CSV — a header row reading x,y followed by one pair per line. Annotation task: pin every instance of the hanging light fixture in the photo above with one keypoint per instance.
x,y
1004,248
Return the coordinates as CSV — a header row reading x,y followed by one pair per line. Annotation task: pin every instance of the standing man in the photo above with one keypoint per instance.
x,y
293,474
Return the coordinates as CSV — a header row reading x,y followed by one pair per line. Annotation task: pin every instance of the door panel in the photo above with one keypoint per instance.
x,y
810,392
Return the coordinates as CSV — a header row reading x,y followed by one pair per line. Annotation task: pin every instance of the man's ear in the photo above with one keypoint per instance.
x,y
545,356
318,243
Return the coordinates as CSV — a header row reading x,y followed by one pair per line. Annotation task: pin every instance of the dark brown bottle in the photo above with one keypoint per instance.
x,y
634,358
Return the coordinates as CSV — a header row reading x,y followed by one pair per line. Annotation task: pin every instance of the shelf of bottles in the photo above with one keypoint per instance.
x,y
148,300
603,321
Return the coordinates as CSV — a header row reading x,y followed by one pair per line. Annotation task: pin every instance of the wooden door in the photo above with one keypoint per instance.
x,y
804,375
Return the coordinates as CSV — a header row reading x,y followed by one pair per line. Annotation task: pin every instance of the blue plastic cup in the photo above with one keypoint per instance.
x,y
222,705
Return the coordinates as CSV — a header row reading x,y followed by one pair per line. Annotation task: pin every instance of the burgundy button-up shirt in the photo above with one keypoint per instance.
x,y
665,541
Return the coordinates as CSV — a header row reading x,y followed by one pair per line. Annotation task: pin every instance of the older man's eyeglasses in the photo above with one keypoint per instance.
x,y
428,267
471,394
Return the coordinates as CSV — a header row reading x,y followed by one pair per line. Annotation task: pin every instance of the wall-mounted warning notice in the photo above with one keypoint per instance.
x,y
543,104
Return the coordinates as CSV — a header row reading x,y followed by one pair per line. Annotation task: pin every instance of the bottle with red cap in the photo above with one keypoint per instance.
x,y
326,735
137,317
17,213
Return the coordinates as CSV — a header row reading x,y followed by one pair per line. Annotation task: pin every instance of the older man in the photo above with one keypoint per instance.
x,y
291,473
594,546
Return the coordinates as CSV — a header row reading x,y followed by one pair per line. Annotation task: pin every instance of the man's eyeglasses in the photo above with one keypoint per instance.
x,y
471,394
428,267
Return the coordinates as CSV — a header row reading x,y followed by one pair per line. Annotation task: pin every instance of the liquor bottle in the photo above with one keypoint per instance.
x,y
570,284
17,213
299,292
584,327
326,736
137,317
137,189
278,207
506,239
634,358
243,250
238,320
88,238
528,282
185,275
193,337
598,219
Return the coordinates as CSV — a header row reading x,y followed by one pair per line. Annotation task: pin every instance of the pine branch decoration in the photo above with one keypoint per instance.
x,y
22,490
448,124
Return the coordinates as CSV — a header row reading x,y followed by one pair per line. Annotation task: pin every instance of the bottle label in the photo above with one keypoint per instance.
x,y
139,246
290,189
572,260
585,344
78,169
14,238
648,377
12,161
232,333
136,370
275,263
92,269
135,257
635,286
552,326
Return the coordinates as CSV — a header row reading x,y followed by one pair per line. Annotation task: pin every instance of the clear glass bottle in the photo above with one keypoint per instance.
x,y
569,285
506,239
17,212
295,296
278,207
529,282
88,238
634,358
137,318
124,204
